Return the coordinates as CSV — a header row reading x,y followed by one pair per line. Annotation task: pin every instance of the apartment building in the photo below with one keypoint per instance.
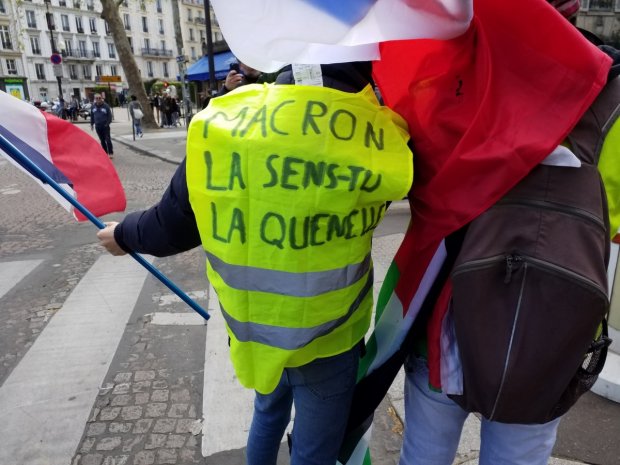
x,y
31,30
13,77
602,17
194,31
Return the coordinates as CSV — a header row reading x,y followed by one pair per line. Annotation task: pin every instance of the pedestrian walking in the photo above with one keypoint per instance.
x,y
292,265
100,119
135,110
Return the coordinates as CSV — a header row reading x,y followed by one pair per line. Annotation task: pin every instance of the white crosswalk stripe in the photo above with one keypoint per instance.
x,y
13,272
46,400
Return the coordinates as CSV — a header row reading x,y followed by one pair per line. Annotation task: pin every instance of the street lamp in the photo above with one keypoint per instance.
x,y
50,25
212,81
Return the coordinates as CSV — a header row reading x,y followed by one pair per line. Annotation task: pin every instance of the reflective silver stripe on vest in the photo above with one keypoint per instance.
x,y
309,284
291,338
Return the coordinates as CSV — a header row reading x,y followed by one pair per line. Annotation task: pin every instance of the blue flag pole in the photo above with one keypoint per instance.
x,y
32,168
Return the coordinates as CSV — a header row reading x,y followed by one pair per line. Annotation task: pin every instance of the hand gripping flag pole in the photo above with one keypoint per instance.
x,y
37,172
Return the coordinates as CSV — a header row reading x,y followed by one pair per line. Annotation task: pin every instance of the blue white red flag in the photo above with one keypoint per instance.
x,y
64,152
268,34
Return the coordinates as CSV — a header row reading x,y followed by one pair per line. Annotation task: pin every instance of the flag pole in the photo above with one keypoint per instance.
x,y
32,168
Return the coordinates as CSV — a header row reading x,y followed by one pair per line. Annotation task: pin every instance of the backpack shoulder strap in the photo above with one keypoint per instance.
x,y
587,137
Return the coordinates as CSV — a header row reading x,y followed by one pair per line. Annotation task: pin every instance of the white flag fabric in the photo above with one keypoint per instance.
x,y
268,34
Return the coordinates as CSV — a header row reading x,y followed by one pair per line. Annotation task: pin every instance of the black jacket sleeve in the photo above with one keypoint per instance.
x,y
167,228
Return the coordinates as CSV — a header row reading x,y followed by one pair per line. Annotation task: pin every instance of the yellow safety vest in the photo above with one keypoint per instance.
x,y
287,184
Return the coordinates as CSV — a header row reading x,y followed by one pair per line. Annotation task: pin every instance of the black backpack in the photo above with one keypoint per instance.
x,y
530,293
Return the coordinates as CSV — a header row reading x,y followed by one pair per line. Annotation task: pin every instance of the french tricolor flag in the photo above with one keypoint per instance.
x,y
68,155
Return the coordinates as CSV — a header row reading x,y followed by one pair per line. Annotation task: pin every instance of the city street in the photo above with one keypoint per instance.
x,y
100,364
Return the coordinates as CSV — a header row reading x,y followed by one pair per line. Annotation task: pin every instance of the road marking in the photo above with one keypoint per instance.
x,y
227,406
13,272
45,402
177,319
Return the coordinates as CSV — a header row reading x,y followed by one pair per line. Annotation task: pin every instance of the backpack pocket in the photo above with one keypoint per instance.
x,y
523,326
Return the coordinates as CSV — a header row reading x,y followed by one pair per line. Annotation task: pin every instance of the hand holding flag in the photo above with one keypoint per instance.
x,y
67,162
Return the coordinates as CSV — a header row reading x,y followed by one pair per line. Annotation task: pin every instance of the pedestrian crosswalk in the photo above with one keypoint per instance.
x,y
49,398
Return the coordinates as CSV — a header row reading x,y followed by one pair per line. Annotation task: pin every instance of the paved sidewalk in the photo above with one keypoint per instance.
x,y
593,420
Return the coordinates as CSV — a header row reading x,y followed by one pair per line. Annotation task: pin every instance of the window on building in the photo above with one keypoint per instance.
x,y
11,66
162,44
189,14
601,5
62,3
145,24
40,70
86,71
93,25
147,45
73,74
77,4
193,52
149,68
191,34
111,50
126,22
90,5
158,2
35,46
2,8
82,48
142,5
125,3
64,20
5,38
31,19
98,70
202,35
130,44
160,23
165,69
113,70
219,37
78,24
96,50
69,48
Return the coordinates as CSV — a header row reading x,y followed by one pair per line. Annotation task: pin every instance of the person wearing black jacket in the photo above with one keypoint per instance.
x,y
170,227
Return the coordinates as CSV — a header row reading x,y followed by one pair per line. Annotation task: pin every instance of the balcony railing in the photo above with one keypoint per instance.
x,y
199,20
156,52
79,54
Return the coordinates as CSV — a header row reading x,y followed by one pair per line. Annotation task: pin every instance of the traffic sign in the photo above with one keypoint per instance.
x,y
57,70
181,59
56,58
108,78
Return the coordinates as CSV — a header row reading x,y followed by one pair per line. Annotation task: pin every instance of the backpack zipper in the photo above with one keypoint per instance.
x,y
514,260
553,206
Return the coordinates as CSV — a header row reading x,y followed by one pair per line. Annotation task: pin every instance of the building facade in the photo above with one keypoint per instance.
x,y
32,30
602,17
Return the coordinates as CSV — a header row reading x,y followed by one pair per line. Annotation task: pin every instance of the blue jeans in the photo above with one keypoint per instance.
x,y
434,423
322,392
138,125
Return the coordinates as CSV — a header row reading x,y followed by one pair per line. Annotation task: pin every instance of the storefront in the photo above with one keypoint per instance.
x,y
16,86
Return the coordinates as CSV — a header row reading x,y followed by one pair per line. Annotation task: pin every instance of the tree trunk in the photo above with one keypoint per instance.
x,y
136,87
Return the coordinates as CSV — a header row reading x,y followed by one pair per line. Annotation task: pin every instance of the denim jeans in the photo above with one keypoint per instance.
x,y
138,125
322,392
434,423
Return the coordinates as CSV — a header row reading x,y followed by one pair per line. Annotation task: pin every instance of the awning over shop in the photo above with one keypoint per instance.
x,y
199,71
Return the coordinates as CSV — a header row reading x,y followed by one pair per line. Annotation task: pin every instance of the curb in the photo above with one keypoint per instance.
x,y
142,151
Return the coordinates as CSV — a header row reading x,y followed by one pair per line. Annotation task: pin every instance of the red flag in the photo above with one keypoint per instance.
x,y
483,109
67,154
